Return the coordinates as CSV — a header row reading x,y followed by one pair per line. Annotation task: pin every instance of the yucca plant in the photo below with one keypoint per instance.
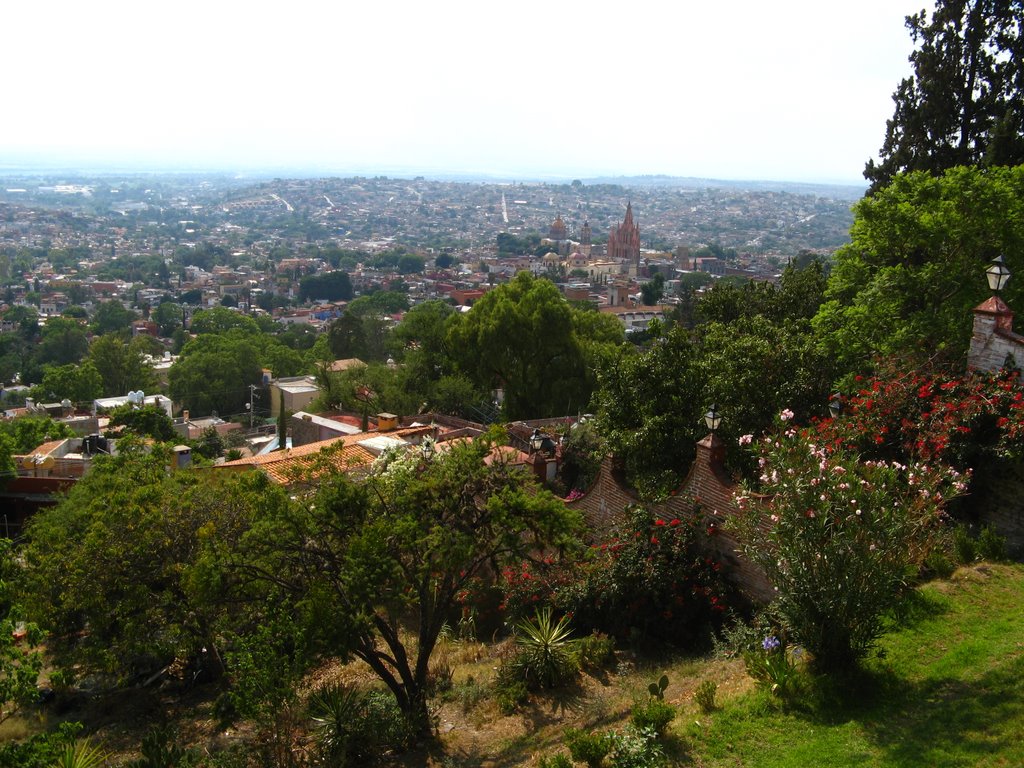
x,y
334,710
81,755
545,655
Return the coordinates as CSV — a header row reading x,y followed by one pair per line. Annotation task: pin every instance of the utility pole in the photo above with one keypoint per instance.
x,y
252,411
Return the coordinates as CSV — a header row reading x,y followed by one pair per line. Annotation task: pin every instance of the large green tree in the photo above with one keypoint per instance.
x,y
373,570
81,384
964,104
220,320
64,341
121,365
522,337
916,264
28,432
750,365
116,570
214,373
144,421
112,317
329,286
650,406
168,317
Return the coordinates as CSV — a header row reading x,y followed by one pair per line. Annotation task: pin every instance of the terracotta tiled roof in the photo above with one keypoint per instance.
x,y
46,448
339,454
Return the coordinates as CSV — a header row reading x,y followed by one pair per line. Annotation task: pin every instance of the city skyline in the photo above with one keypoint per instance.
x,y
796,92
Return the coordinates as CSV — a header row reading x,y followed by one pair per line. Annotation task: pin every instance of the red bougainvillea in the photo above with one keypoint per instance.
x,y
651,576
931,416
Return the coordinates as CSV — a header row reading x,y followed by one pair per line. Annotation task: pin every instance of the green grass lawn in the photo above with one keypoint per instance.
x,y
947,689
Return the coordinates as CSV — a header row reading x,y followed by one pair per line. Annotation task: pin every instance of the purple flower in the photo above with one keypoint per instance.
x,y
771,643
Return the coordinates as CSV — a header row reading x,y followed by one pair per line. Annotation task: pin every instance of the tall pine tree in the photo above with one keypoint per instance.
x,y
964,104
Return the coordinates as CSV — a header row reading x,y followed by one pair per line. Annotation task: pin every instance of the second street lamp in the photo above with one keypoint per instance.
x,y
712,418
835,405
997,274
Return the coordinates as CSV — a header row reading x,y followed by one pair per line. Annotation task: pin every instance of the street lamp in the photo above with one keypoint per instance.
x,y
541,442
835,405
997,274
713,418
536,441
427,449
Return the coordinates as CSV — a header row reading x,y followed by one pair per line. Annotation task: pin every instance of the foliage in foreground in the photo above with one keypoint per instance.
x,y
945,690
358,564
20,657
544,653
838,538
651,579
916,265
123,556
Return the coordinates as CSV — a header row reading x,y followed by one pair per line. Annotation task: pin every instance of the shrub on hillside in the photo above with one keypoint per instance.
x,y
837,537
651,579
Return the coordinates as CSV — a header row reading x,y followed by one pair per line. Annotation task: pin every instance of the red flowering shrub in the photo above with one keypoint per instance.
x,y
650,577
959,420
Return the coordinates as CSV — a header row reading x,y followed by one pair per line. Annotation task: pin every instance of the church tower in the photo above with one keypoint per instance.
x,y
557,232
624,242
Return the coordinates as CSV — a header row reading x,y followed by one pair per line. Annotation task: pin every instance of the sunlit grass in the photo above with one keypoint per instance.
x,y
947,689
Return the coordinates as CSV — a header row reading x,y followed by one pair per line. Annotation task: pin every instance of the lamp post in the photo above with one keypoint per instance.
x,y
427,449
541,442
536,441
713,418
835,405
997,274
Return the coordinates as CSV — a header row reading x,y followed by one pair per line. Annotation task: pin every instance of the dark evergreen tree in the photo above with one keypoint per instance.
x,y
964,104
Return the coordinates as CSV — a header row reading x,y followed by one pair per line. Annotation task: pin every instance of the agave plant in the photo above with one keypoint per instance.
x,y
81,755
334,709
545,652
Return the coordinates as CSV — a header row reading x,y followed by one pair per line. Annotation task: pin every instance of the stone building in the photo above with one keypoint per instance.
x,y
624,241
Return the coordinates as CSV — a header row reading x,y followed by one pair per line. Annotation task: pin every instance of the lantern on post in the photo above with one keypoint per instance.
x,y
713,418
998,274
835,405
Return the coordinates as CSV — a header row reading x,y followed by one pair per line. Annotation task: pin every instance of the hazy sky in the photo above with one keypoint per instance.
x,y
791,90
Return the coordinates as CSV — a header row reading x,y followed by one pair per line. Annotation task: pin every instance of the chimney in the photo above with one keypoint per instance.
x,y
387,422
183,456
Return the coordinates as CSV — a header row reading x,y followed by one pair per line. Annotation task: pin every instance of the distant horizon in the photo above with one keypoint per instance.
x,y
29,166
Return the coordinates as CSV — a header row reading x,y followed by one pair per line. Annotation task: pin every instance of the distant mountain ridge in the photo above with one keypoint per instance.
x,y
836,191
33,166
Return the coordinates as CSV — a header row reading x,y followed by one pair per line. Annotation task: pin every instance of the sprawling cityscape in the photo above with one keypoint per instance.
x,y
397,385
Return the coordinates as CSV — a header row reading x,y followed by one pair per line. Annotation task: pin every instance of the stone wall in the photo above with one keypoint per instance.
x,y
997,499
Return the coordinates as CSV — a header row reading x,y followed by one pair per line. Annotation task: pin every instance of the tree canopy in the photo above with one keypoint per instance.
x,y
916,264
964,104
214,373
122,554
221,319
329,286
521,337
359,558
121,366
81,384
